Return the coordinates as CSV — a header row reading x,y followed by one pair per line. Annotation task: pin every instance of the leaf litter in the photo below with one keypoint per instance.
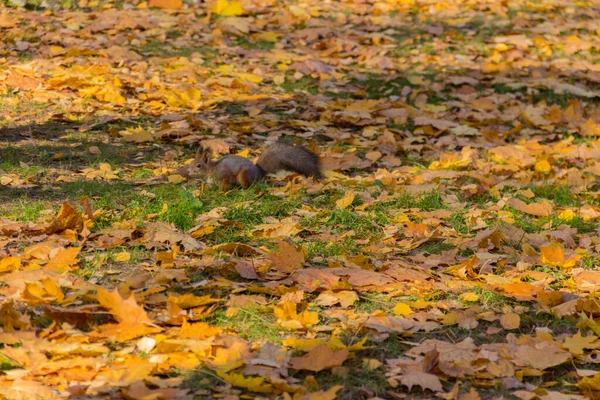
x,y
450,251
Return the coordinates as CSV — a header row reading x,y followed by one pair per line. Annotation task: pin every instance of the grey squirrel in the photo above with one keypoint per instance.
x,y
232,169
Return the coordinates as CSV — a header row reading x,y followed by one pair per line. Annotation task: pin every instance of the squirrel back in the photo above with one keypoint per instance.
x,y
282,156
227,171
232,169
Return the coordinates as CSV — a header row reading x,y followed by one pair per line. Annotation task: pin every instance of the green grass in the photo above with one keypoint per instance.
x,y
434,247
259,44
320,248
305,84
25,209
458,223
559,194
250,324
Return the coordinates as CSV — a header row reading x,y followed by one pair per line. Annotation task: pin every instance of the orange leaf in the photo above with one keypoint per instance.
x,y
123,310
172,4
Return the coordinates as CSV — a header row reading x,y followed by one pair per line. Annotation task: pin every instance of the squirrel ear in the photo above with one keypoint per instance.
x,y
206,155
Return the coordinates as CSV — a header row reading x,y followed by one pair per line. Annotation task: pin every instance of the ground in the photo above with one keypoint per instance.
x,y
450,250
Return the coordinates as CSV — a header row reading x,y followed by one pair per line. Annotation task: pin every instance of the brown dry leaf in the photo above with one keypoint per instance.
x,y
510,321
320,358
424,380
542,209
541,357
288,258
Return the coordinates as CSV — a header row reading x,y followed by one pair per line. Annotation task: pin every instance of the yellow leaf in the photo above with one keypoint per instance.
x,y
244,153
469,296
250,77
9,263
228,8
268,36
566,215
577,343
543,166
302,344
590,128
330,394
122,257
176,178
402,309
136,135
345,201
454,160
255,384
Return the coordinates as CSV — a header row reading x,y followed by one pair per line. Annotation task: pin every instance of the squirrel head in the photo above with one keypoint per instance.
x,y
200,165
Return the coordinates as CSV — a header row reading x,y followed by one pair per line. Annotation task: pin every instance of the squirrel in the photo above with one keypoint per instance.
x,y
232,169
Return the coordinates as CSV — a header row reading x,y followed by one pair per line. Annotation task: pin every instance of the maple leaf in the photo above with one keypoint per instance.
x,y
423,379
577,343
320,358
542,357
124,310
288,259
553,255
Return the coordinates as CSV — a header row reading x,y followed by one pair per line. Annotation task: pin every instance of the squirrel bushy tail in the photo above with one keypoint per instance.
x,y
282,156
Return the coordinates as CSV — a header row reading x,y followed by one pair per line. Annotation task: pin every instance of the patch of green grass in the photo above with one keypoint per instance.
x,y
354,380
490,300
250,324
430,201
370,302
305,84
378,86
551,97
165,49
580,224
458,223
591,263
502,88
332,249
203,381
259,44
530,321
346,220
6,364
25,209
560,194
436,247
